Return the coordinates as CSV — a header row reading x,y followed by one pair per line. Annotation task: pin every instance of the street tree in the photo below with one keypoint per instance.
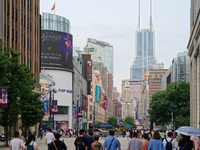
x,y
113,121
130,121
163,104
20,83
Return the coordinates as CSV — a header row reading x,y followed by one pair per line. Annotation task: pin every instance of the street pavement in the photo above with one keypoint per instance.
x,y
69,142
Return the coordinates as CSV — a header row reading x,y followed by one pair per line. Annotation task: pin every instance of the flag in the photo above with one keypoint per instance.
x,y
54,6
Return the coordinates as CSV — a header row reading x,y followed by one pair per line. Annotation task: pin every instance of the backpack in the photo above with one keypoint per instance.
x,y
30,147
169,145
80,144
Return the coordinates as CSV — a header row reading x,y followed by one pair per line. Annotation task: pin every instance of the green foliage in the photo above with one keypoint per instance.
x,y
98,123
129,120
162,104
113,121
20,82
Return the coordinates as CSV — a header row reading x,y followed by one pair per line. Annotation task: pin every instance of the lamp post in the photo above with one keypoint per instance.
x,y
50,109
175,106
94,117
77,113
54,91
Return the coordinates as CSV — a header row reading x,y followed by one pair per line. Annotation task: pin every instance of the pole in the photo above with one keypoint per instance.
x,y
77,113
50,110
94,117
175,107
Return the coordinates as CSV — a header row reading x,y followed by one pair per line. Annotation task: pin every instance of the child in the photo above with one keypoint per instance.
x,y
96,145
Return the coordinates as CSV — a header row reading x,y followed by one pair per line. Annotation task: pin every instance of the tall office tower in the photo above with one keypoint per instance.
x,y
20,29
145,50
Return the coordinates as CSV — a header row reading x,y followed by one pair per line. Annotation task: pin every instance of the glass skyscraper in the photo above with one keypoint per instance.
x,y
145,54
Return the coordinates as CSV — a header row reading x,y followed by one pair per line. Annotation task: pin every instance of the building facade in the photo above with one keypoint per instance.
x,y
178,71
193,52
145,53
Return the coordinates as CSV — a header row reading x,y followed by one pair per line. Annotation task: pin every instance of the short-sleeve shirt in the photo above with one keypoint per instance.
x,y
85,142
115,143
188,146
135,144
15,143
59,145
49,136
31,143
169,140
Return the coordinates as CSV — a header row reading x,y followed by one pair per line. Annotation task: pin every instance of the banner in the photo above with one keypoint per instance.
x,y
105,104
46,107
74,112
80,114
101,96
54,107
119,122
98,94
3,97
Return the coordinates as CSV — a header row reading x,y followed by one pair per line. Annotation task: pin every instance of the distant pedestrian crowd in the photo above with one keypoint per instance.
x,y
138,140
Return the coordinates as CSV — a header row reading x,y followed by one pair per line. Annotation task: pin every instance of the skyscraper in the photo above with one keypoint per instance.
x,y
145,50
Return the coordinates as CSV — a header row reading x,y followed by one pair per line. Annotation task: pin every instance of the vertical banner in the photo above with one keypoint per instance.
x,y
101,95
80,114
46,107
105,103
86,106
74,112
98,94
54,107
3,97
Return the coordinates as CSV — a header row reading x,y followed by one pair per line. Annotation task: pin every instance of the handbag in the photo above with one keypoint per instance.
x,y
55,145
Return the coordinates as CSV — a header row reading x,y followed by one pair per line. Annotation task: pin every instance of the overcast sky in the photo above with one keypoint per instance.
x,y
115,21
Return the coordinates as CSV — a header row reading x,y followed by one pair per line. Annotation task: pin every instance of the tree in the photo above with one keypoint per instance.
x,y
129,120
163,102
113,121
98,123
20,83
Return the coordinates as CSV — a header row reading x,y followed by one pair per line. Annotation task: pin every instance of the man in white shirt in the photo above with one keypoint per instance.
x,y
16,142
49,138
169,139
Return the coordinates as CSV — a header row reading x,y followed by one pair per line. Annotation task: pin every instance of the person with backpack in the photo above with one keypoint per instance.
x,y
81,142
30,144
96,145
111,143
57,144
169,143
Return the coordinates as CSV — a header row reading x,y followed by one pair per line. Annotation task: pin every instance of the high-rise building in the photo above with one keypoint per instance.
x,y
20,29
144,51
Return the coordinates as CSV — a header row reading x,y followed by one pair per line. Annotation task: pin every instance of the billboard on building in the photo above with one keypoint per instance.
x,y
3,97
56,50
54,107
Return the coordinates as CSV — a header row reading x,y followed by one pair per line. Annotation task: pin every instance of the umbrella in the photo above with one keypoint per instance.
x,y
127,126
188,131
104,125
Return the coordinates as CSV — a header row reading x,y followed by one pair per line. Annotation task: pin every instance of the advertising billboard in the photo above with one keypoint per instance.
x,y
196,8
3,97
56,50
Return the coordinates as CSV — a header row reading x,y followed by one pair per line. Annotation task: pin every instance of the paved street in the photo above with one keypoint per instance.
x,y
69,142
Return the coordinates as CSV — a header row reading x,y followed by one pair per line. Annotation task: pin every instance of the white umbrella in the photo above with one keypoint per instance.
x,y
189,131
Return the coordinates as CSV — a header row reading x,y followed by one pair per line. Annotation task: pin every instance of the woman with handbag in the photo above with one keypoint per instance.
x,y
57,144
185,143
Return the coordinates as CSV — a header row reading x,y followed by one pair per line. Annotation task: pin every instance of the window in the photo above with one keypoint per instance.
x,y
63,110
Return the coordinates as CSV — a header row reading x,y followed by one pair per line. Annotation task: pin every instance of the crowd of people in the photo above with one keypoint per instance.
x,y
138,140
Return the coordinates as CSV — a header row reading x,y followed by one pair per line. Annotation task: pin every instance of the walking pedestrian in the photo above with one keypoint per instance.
x,y
30,144
111,143
49,138
131,133
185,143
146,141
57,144
135,143
90,139
156,143
127,134
96,145
16,143
169,143
81,142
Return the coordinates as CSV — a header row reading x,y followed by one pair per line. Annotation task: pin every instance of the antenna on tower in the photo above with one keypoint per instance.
x,y
151,23
139,16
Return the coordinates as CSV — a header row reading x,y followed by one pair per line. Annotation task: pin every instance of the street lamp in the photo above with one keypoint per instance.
x,y
94,117
50,110
54,91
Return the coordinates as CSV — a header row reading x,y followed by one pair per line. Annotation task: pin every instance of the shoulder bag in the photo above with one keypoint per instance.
x,y
111,143
55,145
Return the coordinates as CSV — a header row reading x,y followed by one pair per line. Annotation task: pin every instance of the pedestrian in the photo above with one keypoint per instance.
x,y
90,139
41,134
57,144
156,143
81,142
127,134
135,143
49,138
185,143
96,145
131,133
30,144
111,143
169,143
162,134
16,143
146,141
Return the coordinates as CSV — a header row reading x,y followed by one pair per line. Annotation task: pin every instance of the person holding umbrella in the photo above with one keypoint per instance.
x,y
185,143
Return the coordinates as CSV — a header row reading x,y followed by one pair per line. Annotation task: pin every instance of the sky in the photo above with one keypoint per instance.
x,y
115,21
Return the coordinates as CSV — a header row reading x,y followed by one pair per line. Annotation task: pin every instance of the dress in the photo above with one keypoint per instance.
x,y
32,143
156,144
